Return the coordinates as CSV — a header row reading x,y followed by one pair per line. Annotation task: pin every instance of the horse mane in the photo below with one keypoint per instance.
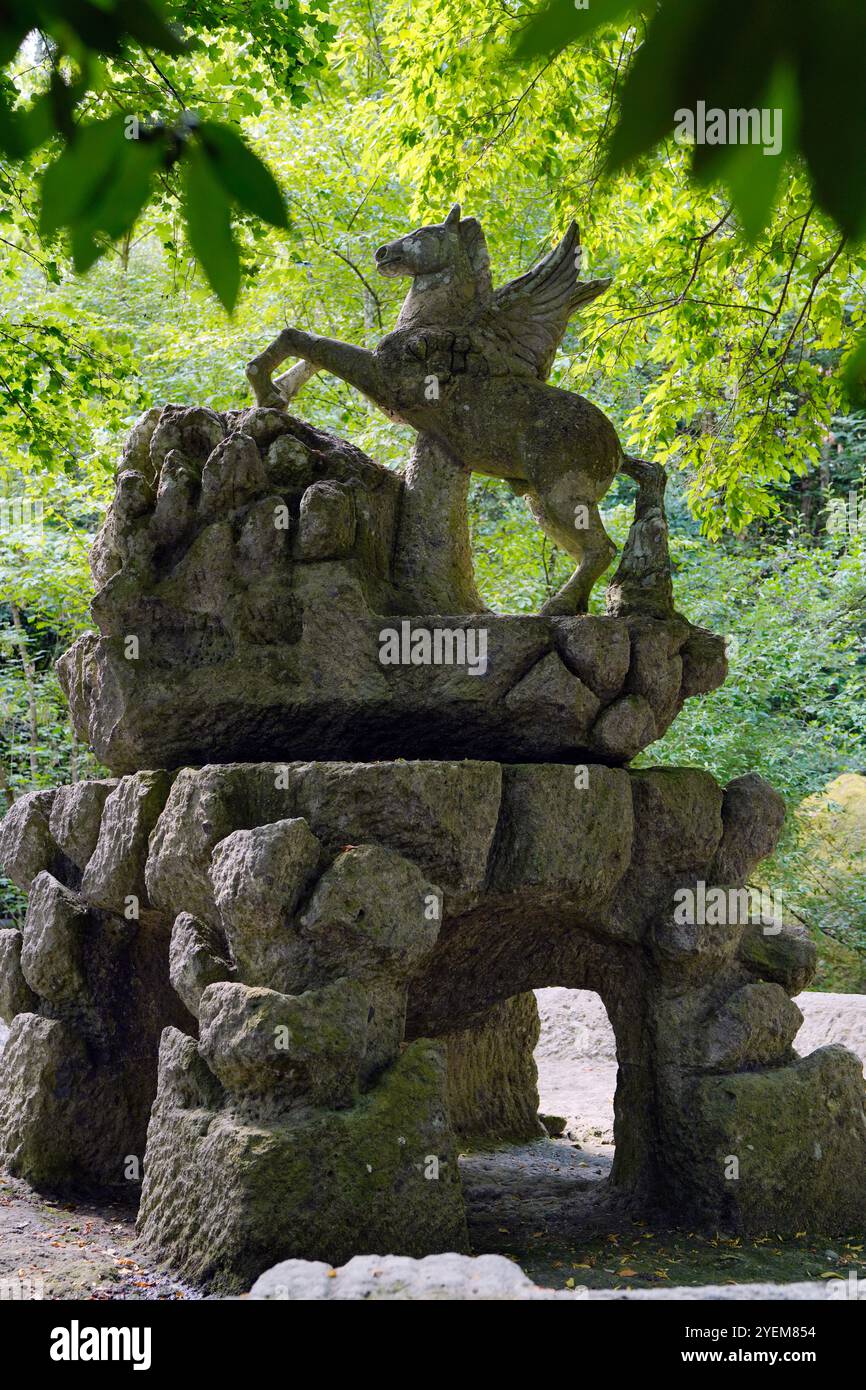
x,y
457,293
474,244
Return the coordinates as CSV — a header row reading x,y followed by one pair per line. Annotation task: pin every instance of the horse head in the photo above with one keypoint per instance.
x,y
451,251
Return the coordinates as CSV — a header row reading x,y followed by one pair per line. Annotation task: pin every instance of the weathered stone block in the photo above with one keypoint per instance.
x,y
136,450
40,1095
371,912
756,1027
52,958
285,1047
326,525
799,1135
196,960
26,843
223,1199
705,664
656,669
115,871
233,475
623,729
556,832
492,1076
289,464
678,822
753,813
442,816
690,951
787,955
16,996
258,877
597,649
551,693
76,815
176,498
194,430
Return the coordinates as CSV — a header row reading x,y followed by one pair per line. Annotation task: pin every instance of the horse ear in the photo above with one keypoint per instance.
x,y
452,221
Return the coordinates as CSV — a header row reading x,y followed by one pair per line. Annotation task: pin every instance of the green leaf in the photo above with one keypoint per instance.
x,y
14,29
109,29
144,22
561,23
695,50
855,376
830,71
85,249
123,198
209,226
752,176
38,123
77,177
242,174
12,141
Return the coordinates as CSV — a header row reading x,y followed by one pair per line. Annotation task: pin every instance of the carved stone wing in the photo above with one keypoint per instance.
x,y
529,316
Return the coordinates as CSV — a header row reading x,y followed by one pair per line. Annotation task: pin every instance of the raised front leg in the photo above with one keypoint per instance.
x,y
259,371
357,366
290,383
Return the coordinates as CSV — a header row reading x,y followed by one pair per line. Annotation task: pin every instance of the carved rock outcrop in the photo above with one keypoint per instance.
x,y
259,588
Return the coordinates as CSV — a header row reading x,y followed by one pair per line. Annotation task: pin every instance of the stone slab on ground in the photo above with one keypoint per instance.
x,y
487,1278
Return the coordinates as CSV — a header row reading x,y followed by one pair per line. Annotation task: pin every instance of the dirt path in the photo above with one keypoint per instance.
x,y
58,1249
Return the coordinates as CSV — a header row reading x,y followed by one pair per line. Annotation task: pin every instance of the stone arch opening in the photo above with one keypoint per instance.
x,y
576,1063
532,1185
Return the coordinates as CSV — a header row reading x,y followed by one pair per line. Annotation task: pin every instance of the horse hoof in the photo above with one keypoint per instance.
x,y
554,608
268,396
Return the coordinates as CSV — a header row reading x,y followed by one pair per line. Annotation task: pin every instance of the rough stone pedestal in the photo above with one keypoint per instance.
x,y
324,915
338,954
249,571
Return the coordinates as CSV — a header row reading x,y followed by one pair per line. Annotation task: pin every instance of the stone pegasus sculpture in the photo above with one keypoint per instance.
x,y
466,366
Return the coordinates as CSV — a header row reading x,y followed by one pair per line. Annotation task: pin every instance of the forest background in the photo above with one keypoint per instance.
x,y
722,348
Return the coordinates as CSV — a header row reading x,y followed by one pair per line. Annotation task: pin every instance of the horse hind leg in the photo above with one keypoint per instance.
x,y
577,528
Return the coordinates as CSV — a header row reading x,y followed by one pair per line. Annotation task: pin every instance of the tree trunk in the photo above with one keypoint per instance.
x,y
30,682
6,786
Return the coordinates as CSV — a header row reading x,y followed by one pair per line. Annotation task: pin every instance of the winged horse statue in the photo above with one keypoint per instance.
x,y
467,365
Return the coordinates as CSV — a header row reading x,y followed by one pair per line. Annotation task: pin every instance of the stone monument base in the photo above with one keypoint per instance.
x,y
357,942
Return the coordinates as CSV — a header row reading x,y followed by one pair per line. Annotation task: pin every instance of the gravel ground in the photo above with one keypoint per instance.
x,y
535,1202
520,1196
74,1250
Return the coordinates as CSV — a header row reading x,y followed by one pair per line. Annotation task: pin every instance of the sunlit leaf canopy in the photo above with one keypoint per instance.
x,y
719,349
123,121
795,63
715,350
